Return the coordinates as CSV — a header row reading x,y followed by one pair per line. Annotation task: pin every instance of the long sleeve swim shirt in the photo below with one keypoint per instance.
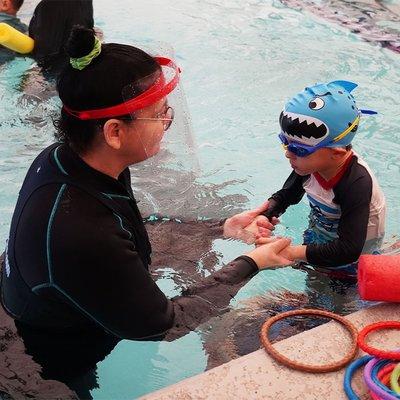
x,y
347,214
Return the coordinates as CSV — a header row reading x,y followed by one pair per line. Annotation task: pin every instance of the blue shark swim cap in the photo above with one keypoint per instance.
x,y
324,115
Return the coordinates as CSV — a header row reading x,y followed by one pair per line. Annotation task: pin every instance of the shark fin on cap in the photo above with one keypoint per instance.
x,y
347,85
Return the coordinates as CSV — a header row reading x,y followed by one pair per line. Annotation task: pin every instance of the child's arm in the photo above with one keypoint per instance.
x,y
295,253
346,249
291,193
354,200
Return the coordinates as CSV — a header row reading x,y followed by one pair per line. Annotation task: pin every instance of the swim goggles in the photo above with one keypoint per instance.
x,y
303,150
298,149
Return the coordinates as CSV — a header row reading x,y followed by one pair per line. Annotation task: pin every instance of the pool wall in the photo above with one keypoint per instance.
x,y
258,376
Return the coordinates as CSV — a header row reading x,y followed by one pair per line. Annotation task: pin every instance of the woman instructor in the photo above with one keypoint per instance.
x,y
75,277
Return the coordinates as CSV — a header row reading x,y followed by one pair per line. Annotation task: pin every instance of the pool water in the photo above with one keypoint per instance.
x,y
241,59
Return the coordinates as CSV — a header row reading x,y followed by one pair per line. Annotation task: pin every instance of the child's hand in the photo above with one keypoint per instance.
x,y
234,227
271,254
264,240
260,227
294,253
287,252
275,221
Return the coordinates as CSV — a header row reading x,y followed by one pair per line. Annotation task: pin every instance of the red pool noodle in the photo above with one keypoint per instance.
x,y
379,278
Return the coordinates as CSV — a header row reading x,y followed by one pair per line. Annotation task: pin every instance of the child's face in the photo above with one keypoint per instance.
x,y
321,160
6,7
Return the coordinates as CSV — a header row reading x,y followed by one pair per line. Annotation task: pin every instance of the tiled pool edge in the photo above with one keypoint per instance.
x,y
257,376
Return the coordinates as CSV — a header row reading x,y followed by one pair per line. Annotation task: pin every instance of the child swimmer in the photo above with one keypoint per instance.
x,y
348,207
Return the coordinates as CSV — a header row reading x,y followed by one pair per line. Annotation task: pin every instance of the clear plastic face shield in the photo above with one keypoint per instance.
x,y
159,141
162,138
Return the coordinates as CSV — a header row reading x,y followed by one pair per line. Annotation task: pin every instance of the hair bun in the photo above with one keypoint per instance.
x,y
80,42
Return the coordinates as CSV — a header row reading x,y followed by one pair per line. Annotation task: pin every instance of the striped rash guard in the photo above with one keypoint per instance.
x,y
347,216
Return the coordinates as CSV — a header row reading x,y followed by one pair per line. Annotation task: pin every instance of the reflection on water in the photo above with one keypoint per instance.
x,y
236,333
176,194
375,21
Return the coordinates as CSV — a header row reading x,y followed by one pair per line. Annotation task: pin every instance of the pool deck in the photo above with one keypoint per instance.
x,y
258,376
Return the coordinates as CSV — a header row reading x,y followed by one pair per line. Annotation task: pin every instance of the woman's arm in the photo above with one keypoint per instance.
x,y
97,270
211,296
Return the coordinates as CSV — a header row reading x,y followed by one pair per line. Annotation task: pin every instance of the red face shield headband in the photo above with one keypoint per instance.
x,y
156,92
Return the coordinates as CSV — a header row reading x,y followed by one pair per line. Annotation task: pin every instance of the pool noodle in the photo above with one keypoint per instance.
x,y
15,40
379,277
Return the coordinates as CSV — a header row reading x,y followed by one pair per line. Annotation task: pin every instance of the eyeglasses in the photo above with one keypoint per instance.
x,y
166,116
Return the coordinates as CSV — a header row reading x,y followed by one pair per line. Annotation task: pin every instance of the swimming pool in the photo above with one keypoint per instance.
x,y
240,61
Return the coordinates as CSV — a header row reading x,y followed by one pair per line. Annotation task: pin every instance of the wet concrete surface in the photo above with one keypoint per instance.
x,y
257,376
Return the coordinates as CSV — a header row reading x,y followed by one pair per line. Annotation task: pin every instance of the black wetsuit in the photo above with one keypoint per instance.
x,y
75,276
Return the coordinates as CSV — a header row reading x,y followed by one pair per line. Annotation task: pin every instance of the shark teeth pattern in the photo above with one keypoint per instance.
x,y
303,128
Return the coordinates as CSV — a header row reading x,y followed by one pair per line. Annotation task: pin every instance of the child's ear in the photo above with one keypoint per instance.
x,y
338,152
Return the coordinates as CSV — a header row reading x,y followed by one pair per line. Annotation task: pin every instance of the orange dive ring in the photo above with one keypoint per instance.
x,y
306,367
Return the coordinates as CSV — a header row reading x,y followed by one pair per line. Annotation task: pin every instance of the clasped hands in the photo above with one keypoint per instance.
x,y
251,227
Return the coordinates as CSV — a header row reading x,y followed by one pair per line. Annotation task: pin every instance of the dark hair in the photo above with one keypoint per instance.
x,y
51,26
99,85
17,4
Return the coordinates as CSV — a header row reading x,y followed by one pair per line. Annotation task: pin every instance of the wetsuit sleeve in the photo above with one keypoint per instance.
x,y
290,194
354,200
210,297
96,269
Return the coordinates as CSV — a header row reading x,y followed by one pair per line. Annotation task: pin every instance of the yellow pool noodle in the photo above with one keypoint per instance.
x,y
15,40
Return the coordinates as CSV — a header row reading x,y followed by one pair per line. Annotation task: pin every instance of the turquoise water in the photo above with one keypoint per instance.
x,y
241,60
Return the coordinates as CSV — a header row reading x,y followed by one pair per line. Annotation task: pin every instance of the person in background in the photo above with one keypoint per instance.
x,y
50,27
8,15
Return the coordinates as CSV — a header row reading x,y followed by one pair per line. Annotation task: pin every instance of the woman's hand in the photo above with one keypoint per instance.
x,y
272,254
294,253
234,227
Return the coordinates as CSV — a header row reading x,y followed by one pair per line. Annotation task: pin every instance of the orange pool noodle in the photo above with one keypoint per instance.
x,y
379,278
